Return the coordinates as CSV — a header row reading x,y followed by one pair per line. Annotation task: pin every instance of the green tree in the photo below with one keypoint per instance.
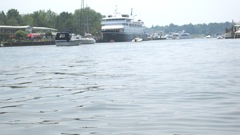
x,y
94,21
51,18
211,28
27,19
13,17
3,18
76,21
64,22
20,34
39,18
87,20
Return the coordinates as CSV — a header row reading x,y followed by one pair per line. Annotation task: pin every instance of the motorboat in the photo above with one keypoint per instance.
x,y
65,39
87,39
220,37
178,35
208,36
137,39
184,35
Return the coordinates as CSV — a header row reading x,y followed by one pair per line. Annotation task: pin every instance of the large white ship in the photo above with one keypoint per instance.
x,y
122,27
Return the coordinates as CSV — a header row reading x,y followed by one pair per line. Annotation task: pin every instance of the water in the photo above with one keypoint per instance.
x,y
172,87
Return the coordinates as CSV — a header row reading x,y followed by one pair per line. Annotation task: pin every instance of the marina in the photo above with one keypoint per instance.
x,y
150,68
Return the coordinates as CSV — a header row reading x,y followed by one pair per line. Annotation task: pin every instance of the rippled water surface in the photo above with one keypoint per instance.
x,y
178,87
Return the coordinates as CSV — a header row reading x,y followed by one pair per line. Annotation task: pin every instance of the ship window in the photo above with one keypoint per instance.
x,y
112,30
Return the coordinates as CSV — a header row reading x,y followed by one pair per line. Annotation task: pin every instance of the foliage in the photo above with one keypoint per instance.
x,y
27,19
48,34
64,21
13,17
79,22
3,18
207,29
20,34
39,18
90,21
50,18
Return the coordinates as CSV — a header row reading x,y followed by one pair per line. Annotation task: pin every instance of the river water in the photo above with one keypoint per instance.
x,y
171,87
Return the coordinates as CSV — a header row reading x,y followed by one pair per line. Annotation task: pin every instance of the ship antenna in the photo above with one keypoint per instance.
x,y
131,11
116,10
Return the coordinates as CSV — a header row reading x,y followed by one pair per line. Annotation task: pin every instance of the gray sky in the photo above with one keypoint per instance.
x,y
152,12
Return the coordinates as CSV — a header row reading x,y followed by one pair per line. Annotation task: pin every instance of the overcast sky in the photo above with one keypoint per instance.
x,y
152,12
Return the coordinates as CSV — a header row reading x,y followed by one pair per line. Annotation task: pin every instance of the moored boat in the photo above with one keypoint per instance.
x,y
122,27
87,39
184,35
233,32
65,39
178,35
220,37
208,36
137,39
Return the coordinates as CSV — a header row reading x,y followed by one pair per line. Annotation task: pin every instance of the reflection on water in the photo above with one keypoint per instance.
x,y
181,87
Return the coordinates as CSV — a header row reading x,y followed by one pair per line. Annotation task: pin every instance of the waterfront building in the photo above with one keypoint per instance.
x,y
6,31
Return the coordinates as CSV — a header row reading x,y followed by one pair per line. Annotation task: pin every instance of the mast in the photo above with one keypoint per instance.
x,y
87,18
82,30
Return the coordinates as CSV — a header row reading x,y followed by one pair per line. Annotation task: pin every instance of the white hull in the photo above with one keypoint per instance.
x,y
87,41
137,40
180,35
67,43
184,37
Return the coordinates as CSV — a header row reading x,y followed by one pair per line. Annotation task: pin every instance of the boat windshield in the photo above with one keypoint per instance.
x,y
63,36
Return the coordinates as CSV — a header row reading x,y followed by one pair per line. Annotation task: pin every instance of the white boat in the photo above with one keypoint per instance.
x,y
220,37
122,27
87,39
65,39
178,35
208,36
184,35
233,32
237,33
137,39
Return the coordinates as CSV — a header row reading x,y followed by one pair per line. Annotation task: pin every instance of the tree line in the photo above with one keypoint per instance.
x,y
207,29
76,22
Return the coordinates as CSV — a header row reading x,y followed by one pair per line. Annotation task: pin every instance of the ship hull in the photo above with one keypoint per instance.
x,y
121,37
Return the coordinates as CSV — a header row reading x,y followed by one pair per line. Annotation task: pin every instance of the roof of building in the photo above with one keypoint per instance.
x,y
25,27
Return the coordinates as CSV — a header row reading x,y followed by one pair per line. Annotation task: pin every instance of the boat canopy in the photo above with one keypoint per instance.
x,y
32,35
63,36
